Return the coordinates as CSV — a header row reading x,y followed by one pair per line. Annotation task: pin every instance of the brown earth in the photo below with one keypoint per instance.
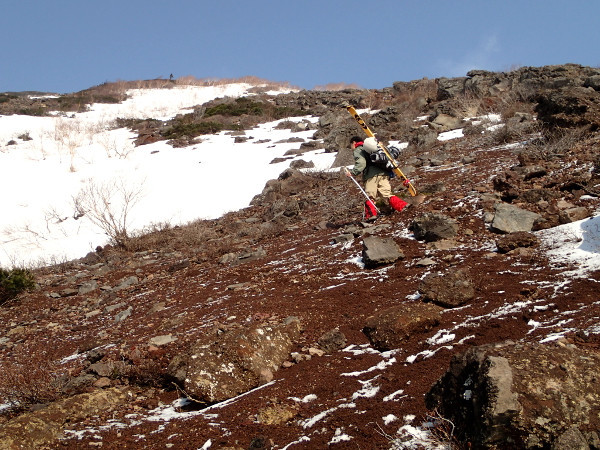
x,y
183,290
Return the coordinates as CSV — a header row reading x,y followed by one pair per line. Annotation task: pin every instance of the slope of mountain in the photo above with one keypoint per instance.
x,y
102,352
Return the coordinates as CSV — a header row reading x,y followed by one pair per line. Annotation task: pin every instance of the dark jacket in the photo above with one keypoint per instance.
x,y
361,165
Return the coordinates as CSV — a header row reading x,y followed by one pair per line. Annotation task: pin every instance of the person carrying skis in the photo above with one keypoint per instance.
x,y
376,179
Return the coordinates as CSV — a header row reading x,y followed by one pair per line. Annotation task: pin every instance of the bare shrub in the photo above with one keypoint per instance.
x,y
441,431
37,381
504,135
113,147
108,205
68,135
554,144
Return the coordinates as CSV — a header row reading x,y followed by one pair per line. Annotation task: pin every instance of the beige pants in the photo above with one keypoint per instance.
x,y
378,185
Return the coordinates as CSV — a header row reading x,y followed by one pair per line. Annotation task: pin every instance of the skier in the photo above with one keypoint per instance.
x,y
376,179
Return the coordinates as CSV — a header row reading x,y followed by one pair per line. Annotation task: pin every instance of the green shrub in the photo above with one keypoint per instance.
x,y
240,106
13,282
32,111
192,129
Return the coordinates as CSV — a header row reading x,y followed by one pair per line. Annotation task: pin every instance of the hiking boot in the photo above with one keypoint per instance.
x,y
370,211
397,203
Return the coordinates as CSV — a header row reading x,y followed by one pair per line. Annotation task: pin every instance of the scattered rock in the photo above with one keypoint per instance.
x,y
43,428
434,227
127,282
123,314
162,340
332,341
379,251
425,262
573,215
510,219
450,289
87,287
515,240
389,328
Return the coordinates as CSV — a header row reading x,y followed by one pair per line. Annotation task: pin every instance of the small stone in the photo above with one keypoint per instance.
x,y
266,376
315,352
102,382
425,262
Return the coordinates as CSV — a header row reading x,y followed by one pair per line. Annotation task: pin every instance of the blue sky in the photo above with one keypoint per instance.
x,y
68,45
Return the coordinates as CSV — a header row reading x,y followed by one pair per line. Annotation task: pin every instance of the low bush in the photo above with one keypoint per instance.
x,y
7,97
28,383
240,106
13,282
245,106
192,129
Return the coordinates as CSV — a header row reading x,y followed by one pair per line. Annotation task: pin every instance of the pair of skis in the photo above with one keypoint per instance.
x,y
395,168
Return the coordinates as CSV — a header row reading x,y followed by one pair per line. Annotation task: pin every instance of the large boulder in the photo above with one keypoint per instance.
x,y
569,107
389,328
446,122
525,395
343,158
510,219
232,362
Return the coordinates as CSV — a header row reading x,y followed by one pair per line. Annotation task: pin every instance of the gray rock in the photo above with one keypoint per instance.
x,y
88,287
572,439
423,137
510,219
163,340
127,282
101,369
343,158
123,314
69,292
378,251
425,262
341,239
446,122
573,215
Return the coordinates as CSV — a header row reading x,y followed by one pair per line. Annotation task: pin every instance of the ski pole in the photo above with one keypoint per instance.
x,y
361,189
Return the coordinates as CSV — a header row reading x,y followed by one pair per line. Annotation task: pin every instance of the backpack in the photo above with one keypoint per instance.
x,y
376,155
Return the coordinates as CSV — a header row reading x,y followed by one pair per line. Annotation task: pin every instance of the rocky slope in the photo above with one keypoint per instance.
x,y
292,324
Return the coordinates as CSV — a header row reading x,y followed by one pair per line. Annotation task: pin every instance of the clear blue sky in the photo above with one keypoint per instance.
x,y
68,45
